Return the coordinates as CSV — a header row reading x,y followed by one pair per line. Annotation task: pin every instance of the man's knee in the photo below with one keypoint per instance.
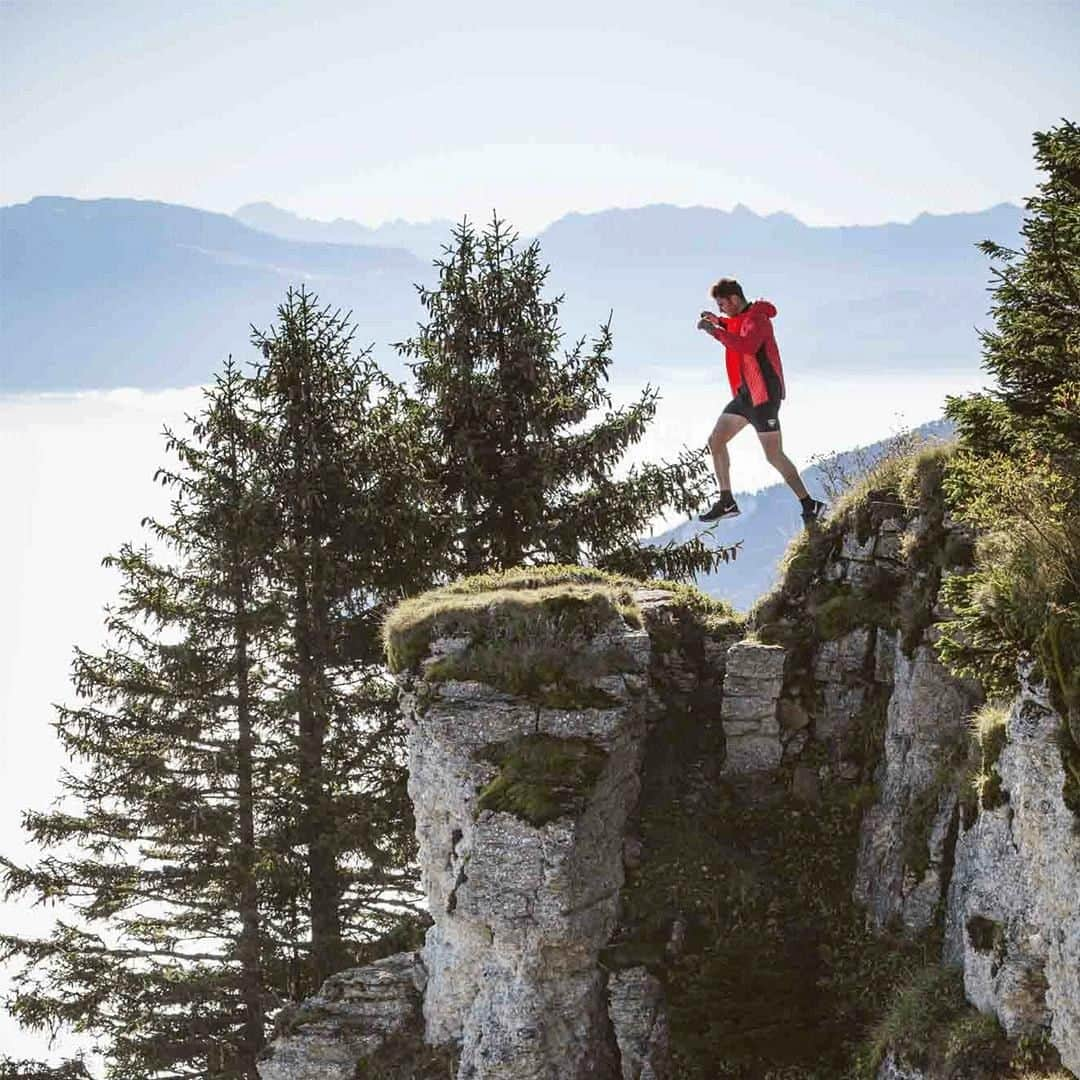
x,y
774,452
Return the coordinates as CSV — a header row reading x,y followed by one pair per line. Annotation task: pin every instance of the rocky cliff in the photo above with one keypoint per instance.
x,y
658,840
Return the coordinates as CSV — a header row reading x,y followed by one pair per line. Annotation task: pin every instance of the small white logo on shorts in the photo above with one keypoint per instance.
x,y
772,423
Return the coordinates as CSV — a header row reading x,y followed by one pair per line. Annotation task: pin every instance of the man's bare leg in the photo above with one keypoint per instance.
x,y
727,427
772,444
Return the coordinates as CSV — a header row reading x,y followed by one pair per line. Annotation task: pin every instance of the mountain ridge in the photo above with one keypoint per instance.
x,y
118,292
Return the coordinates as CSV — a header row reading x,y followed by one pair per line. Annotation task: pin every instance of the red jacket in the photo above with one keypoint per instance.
x,y
752,351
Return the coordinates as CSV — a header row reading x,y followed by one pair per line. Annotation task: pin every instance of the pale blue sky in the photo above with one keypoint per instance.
x,y
837,111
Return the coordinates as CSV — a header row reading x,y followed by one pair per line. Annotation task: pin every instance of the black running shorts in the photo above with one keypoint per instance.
x,y
764,417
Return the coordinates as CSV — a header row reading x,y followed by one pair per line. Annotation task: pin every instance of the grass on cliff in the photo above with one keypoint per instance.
x,y
928,1023
530,631
900,486
572,599
989,730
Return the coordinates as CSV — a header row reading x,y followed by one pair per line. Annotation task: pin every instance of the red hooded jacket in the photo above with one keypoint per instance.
x,y
753,358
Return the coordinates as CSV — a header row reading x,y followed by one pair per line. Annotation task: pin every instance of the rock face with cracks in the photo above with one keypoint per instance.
x,y
525,784
522,907
926,718
363,1022
1013,919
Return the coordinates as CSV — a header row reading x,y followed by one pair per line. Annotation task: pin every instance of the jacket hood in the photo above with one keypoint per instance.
x,y
763,307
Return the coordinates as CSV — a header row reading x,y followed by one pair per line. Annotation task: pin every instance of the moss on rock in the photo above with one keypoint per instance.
x,y
541,777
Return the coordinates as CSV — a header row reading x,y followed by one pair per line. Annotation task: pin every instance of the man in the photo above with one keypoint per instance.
x,y
757,381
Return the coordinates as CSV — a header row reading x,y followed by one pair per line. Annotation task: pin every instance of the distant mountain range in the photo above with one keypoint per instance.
x,y
125,292
424,239
767,522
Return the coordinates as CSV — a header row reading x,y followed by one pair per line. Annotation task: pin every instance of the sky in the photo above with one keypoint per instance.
x,y
837,111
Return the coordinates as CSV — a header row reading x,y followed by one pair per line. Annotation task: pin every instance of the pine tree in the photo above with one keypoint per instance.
x,y
155,844
342,470
1017,473
242,823
522,478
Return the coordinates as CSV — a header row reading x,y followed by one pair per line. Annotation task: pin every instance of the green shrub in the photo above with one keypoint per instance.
x,y
929,1000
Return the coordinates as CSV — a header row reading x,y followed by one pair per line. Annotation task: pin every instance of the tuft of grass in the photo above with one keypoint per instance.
x,y
542,777
717,617
928,1000
988,727
571,602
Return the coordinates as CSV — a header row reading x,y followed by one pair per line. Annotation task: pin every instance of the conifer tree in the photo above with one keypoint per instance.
x,y
1017,473
525,469
155,844
343,474
241,823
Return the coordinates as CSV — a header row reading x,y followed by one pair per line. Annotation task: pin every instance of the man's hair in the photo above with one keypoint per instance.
x,y
726,286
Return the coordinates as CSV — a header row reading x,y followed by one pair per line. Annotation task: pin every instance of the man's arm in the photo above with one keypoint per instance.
x,y
752,333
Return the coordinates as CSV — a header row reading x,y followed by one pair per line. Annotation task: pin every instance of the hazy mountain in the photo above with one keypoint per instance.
x,y
850,297
115,292
424,239
768,519
125,292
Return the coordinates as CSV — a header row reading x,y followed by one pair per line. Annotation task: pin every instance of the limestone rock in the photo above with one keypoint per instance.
x,y
1013,916
521,910
638,1016
926,719
368,1015
753,681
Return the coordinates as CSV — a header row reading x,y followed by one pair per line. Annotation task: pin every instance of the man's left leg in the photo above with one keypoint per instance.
x,y
773,445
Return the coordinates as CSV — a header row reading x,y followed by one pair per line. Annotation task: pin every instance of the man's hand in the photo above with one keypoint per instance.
x,y
705,324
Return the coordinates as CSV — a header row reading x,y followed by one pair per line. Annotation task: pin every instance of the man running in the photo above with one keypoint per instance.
x,y
757,381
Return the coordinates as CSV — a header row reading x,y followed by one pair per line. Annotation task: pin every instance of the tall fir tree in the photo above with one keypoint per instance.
x,y
524,467
344,473
155,844
1017,471
241,824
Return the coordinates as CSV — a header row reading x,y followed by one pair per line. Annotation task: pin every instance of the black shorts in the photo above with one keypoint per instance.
x,y
764,417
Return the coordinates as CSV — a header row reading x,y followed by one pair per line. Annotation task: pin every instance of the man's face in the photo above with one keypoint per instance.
x,y
729,305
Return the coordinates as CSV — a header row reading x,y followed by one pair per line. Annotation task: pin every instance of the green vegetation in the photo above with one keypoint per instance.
x,y
521,434
542,777
778,974
554,605
988,727
529,630
237,822
903,484
929,1024
715,618
1016,476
